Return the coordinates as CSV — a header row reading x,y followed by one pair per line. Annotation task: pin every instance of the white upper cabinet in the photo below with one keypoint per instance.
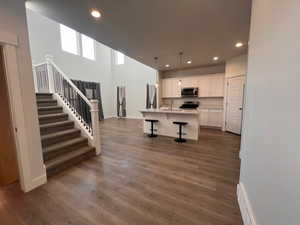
x,y
188,82
211,85
171,88
216,85
204,86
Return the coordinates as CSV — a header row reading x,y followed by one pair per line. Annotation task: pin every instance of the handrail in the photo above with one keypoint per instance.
x,y
71,83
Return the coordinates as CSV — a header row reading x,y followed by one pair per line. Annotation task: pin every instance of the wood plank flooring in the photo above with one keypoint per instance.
x,y
137,181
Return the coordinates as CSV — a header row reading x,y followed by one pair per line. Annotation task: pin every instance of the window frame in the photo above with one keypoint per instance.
x,y
81,47
117,53
79,43
76,37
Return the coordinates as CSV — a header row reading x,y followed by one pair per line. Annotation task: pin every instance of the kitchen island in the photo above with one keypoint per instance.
x,y
166,118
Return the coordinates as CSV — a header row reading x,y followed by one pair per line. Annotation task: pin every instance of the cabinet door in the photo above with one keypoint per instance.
x,y
215,118
188,82
176,88
203,117
216,85
170,88
166,88
203,85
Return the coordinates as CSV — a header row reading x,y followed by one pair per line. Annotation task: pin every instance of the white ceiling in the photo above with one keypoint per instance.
x,y
143,29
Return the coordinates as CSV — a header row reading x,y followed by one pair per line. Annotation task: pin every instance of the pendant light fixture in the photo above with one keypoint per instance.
x,y
156,65
180,64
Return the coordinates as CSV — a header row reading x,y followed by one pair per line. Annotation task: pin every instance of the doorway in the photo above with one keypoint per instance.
x,y
8,159
234,105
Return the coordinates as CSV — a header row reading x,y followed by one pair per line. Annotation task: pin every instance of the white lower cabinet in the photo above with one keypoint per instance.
x,y
203,117
211,117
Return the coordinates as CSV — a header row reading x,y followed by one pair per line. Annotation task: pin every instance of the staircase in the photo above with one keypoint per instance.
x,y
62,143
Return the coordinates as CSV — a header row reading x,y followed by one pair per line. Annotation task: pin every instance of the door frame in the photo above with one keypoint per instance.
x,y
9,43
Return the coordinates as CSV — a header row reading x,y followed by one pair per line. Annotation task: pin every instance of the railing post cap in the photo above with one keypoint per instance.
x,y
49,57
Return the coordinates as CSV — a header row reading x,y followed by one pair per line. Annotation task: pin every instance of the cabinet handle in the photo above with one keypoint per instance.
x,y
240,108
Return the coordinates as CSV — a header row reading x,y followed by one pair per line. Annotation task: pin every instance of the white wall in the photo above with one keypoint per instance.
x,y
44,36
45,39
135,76
270,143
13,20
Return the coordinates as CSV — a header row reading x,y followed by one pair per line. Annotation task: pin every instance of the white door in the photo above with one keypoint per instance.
x,y
234,108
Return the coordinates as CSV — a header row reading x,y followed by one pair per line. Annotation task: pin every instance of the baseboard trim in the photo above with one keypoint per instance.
x,y
127,117
36,182
133,117
245,206
109,117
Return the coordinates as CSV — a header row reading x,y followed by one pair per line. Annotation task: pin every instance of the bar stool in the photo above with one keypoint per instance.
x,y
152,127
181,124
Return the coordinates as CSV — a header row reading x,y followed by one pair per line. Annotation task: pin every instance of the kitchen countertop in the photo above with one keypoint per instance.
x,y
174,111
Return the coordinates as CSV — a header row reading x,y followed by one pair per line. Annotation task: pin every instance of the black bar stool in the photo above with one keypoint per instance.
x,y
181,124
152,127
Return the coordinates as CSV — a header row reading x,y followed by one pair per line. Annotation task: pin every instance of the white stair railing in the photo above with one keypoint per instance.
x,y
49,78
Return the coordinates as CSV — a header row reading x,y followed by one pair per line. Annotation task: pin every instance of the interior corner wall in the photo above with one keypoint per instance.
x,y
236,66
134,76
270,138
13,21
44,37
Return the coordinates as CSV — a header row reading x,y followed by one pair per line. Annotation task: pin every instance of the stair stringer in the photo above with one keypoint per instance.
x,y
77,123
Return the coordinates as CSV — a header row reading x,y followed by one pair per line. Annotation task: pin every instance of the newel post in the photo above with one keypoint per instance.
x,y
35,79
95,126
49,60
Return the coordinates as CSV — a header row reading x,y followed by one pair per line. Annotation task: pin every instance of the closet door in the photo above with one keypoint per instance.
x,y
234,106
8,159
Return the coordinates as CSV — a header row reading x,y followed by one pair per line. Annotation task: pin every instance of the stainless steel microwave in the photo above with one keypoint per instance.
x,y
189,92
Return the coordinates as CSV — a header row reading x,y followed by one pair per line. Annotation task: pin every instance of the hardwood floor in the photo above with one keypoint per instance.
x,y
137,181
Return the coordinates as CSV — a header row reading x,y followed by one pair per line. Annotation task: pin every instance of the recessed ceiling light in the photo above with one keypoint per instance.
x,y
239,44
189,62
216,58
167,65
95,13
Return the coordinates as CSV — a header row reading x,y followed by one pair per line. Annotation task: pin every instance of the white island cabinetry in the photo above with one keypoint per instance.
x,y
166,118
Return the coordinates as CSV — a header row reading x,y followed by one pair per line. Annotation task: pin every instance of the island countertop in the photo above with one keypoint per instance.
x,y
168,111
166,118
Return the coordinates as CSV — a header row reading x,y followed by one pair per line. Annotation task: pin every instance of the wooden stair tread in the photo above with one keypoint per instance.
x,y
52,115
43,94
67,157
63,144
45,100
61,123
60,133
49,107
